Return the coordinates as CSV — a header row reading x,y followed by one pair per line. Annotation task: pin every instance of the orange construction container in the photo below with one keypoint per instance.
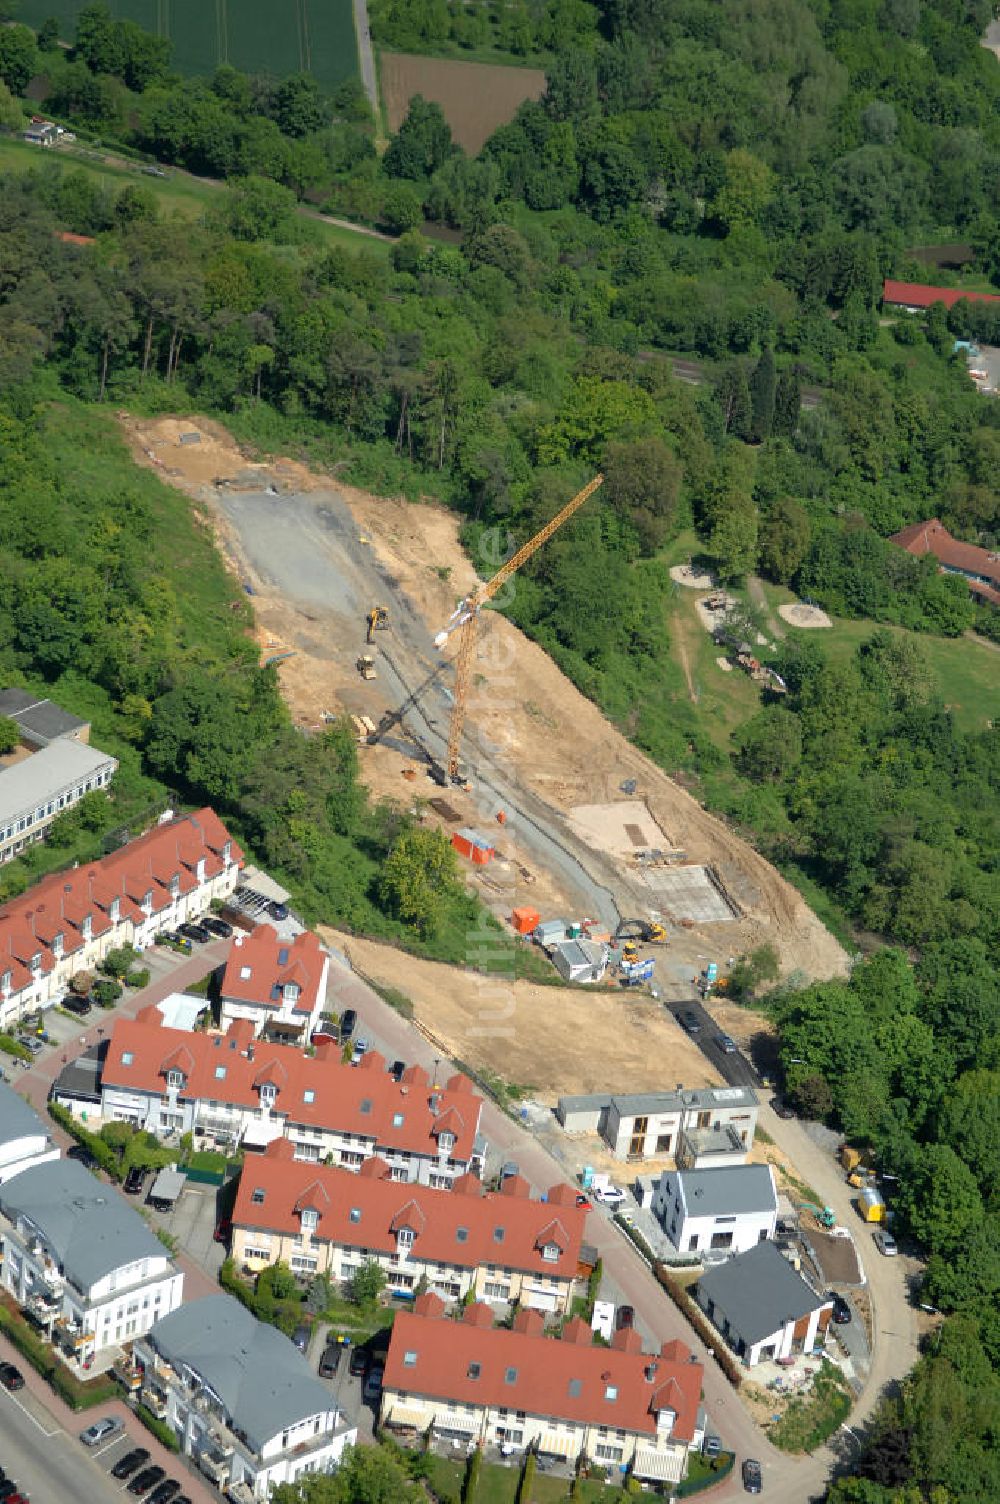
x,y
525,921
472,844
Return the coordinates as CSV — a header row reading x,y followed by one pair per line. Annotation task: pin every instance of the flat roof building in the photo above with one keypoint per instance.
x,y
33,792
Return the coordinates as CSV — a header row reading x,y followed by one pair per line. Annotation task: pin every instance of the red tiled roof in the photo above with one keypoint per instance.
x,y
919,295
68,238
545,1368
60,903
932,537
270,963
495,1230
344,1098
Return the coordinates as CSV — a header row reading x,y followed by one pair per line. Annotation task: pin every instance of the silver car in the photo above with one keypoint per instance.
x,y
100,1431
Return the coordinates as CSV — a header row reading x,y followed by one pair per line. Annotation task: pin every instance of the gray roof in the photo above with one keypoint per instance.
x,y
168,1185
29,784
703,1099
580,952
728,1190
586,1103
262,1380
41,717
89,1227
80,1078
17,1119
757,1292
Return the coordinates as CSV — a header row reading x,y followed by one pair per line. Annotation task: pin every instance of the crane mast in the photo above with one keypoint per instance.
x,y
465,618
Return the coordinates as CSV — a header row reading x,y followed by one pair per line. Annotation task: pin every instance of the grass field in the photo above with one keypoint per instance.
x,y
177,194
274,37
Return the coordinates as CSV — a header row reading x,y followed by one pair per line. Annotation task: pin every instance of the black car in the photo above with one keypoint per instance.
x,y
195,932
841,1310
726,1043
358,1363
396,1069
752,1480
690,1021
11,1376
217,927
134,1181
782,1108
79,1005
330,1361
348,1023
147,1479
164,1493
7,1487
625,1318
278,911
126,1466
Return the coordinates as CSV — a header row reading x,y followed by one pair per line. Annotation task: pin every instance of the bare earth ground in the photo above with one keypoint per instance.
x,y
476,97
553,740
555,1040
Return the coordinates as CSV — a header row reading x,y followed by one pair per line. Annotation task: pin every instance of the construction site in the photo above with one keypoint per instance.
x,y
370,609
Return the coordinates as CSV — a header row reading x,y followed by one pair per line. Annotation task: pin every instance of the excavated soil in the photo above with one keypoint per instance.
x,y
555,741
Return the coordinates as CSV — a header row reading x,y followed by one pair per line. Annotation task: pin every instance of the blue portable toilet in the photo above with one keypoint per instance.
x,y
587,1177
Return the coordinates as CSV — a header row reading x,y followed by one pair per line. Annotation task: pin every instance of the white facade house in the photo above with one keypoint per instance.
x,y
710,1211
34,792
763,1307
81,1260
276,984
242,1399
24,1140
69,921
718,1122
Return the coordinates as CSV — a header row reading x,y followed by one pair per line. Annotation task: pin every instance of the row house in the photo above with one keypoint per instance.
x,y
497,1247
241,1398
616,1407
69,921
81,1261
278,985
24,1138
242,1092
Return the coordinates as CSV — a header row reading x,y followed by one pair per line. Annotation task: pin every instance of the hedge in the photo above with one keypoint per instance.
x,y
12,1046
726,1462
695,1317
79,1394
105,1156
164,1434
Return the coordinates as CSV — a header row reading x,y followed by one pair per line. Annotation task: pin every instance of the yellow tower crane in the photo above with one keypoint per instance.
x,y
465,618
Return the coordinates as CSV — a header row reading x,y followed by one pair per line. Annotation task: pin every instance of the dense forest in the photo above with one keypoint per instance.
x,y
728,181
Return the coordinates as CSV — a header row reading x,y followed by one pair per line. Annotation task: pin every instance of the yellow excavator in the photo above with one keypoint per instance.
x,y
650,931
378,620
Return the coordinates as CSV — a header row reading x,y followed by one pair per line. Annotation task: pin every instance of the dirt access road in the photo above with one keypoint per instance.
x,y
318,554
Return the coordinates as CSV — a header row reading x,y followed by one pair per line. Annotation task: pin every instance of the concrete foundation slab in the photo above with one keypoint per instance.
x,y
689,893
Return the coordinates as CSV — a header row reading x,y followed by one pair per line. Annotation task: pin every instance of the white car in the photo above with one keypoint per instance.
x,y
609,1195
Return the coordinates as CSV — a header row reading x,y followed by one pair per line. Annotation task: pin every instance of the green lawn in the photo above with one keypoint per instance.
x,y
498,1485
178,194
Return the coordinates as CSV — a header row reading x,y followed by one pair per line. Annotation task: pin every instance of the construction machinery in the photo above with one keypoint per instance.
x,y
650,931
366,666
465,618
377,620
825,1215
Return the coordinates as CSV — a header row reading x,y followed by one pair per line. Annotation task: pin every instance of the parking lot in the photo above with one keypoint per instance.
x,y
111,1454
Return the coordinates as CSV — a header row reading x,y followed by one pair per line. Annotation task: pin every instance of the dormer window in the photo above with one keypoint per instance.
x,y
36,963
58,945
404,1237
175,886
200,869
87,928
446,1142
175,1080
550,1253
6,981
257,1195
227,853
292,990
115,911
147,901
268,1093
310,1219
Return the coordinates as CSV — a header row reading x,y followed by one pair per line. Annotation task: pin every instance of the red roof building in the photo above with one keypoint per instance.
x,y
241,1091
69,921
978,567
917,295
277,985
503,1247
618,1407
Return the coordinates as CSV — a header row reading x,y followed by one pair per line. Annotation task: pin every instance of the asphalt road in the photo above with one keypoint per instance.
x,y
735,1068
47,1464
366,57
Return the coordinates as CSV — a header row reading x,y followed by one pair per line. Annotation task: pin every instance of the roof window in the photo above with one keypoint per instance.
x,y
510,1377
410,1359
220,1073
473,1371
575,1388
283,956
309,1096
127,1057
462,1234
397,1120
355,1214
366,1106
246,972
499,1233
257,1196
611,1393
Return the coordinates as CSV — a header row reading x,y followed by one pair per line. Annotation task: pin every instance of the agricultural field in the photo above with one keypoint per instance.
x,y
274,37
476,97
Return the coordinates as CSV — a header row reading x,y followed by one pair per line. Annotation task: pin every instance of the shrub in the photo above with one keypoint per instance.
x,y
11,1046
106,992
164,1434
105,1155
138,978
695,1317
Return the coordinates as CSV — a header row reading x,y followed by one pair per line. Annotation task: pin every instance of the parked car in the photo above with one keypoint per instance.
x,y
782,1108
330,1361
584,1202
194,932
177,938
82,1155
373,1383
753,1482
109,1425
134,1181
126,1466
223,1229
79,1005
625,1317
358,1363
217,926
609,1195
690,1021
712,1446
841,1310
31,1042
147,1479
278,911
164,1492
348,1024
360,1050
11,1376
885,1242
726,1043
396,1069
300,1337
9,1490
